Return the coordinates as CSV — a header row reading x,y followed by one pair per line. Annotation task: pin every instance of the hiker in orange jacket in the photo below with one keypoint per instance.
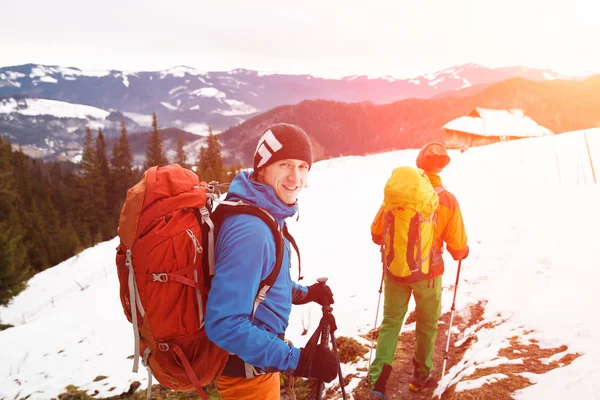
x,y
449,229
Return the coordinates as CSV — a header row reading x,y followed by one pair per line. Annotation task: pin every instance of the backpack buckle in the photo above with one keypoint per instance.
x,y
160,277
204,212
163,346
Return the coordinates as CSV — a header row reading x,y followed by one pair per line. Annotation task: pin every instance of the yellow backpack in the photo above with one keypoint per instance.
x,y
405,223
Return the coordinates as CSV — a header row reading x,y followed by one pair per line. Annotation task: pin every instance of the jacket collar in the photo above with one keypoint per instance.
x,y
243,187
434,179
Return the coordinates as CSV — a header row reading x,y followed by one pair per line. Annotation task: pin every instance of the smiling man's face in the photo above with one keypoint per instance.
x,y
287,177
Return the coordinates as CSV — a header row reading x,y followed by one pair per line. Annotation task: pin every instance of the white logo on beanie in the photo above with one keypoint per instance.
x,y
264,152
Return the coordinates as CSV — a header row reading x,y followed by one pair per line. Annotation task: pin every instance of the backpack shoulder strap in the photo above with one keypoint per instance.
x,y
289,237
225,209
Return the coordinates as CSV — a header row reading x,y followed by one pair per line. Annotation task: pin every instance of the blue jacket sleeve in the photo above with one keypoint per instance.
x,y
245,255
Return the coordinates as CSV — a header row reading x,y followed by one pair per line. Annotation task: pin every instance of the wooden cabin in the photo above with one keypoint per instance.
x,y
485,126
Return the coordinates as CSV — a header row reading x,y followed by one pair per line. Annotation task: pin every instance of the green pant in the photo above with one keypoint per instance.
x,y
395,305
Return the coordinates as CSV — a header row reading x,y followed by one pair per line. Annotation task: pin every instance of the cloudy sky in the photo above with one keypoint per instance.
x,y
401,38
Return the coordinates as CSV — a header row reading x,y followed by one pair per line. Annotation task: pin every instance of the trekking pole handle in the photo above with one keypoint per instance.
x,y
323,282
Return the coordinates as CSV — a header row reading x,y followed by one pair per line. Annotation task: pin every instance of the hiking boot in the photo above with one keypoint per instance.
x,y
378,391
419,383
374,395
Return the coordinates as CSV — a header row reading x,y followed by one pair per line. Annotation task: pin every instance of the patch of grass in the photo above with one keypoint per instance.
x,y
73,393
361,392
349,349
305,389
533,360
334,391
5,326
159,392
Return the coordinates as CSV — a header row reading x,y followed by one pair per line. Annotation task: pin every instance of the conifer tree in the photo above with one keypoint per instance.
x,y
85,201
201,163
68,241
51,222
14,266
92,195
122,172
101,156
181,157
201,160
59,209
102,174
232,171
154,153
215,169
39,224
30,215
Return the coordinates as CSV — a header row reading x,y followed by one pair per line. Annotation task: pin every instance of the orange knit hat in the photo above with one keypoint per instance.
x,y
433,156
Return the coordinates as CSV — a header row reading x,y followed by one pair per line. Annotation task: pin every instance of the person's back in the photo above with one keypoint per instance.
x,y
427,290
449,226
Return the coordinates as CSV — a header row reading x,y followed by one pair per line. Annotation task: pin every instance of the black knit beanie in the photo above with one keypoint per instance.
x,y
280,142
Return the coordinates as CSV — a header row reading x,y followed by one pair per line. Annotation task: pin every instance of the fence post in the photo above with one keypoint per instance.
x,y
580,166
590,156
556,156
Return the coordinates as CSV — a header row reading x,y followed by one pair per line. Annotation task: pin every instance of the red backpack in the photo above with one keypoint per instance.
x,y
165,262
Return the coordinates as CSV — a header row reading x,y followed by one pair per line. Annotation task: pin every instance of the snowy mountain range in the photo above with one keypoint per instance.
x,y
46,108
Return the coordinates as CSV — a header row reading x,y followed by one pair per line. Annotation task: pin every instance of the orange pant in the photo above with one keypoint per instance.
x,y
262,387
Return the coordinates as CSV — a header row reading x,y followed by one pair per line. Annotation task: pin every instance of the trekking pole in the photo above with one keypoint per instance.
x,y
378,303
340,375
451,319
327,336
324,339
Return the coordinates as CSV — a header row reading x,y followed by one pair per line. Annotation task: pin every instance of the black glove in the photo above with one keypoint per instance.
x,y
321,365
319,293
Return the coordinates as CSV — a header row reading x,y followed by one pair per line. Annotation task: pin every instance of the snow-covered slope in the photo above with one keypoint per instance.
x,y
531,214
55,108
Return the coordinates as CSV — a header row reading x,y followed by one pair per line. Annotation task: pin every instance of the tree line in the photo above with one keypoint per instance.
x,y
50,211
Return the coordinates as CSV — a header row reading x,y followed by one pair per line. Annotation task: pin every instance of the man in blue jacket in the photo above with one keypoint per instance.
x,y
245,255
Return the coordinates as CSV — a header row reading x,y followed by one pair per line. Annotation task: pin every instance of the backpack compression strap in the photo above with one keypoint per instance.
x,y
289,237
225,209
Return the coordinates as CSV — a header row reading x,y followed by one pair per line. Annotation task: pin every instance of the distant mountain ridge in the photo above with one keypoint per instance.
x,y
365,128
190,100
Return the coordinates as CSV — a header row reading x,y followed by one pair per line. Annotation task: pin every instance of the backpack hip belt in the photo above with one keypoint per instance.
x,y
238,368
